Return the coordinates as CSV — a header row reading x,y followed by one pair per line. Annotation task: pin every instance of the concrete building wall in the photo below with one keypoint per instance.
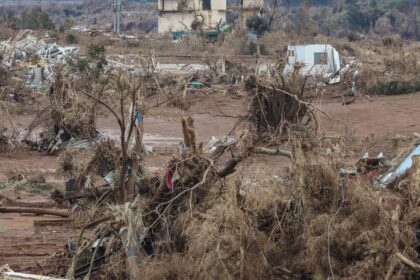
x,y
174,17
252,4
249,8
169,22
185,5
218,5
168,5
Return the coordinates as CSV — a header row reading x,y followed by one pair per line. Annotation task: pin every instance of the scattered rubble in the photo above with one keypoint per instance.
x,y
33,58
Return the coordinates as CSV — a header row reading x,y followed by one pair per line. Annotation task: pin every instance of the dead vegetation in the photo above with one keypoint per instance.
x,y
277,106
196,222
201,218
196,225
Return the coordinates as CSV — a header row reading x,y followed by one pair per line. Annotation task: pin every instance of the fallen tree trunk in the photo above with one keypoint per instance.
x,y
268,151
34,211
56,222
11,202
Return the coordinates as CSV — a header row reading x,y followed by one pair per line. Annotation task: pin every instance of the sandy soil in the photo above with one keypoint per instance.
x,y
380,116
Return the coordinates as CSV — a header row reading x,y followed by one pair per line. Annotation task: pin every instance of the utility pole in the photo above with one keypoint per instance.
x,y
116,8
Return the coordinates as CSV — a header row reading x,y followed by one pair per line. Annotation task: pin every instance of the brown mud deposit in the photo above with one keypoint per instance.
x,y
24,246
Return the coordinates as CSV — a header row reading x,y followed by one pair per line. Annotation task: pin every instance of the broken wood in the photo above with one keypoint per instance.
x,y
34,211
11,275
11,202
408,262
52,222
229,168
268,151
75,195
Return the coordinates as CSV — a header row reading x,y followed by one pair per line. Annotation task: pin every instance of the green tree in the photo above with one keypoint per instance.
x,y
66,26
71,38
82,65
355,17
257,24
36,19
373,4
11,19
96,54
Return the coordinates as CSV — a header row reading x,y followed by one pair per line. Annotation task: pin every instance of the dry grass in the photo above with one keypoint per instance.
x,y
312,224
253,236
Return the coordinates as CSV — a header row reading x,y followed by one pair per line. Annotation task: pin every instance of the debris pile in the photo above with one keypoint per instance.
x,y
32,59
195,218
7,144
152,224
67,119
194,222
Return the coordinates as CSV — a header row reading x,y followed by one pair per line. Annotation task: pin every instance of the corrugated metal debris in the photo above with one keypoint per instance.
x,y
21,52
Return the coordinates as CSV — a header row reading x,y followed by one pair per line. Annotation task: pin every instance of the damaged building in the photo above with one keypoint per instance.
x,y
315,59
190,15
249,8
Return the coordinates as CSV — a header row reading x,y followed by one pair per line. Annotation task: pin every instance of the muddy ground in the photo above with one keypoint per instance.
x,y
370,124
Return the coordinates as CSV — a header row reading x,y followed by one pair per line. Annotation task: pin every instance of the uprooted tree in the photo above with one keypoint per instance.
x,y
277,106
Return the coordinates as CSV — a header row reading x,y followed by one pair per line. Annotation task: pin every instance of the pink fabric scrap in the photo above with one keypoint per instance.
x,y
168,177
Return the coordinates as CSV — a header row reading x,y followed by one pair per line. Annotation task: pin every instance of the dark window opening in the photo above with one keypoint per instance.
x,y
206,5
320,58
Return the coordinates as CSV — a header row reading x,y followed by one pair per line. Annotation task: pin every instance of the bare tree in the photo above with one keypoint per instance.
x,y
119,91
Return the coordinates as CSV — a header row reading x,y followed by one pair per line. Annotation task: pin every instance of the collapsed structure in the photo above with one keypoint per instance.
x,y
35,55
189,15
209,15
248,9
316,59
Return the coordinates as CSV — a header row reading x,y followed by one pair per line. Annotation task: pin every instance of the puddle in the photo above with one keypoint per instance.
x,y
154,140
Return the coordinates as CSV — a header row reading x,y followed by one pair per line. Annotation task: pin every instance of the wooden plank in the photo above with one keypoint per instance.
x,y
11,275
54,222
40,211
11,202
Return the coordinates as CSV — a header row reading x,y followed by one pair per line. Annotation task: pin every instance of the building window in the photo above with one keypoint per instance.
x,y
320,58
290,53
206,5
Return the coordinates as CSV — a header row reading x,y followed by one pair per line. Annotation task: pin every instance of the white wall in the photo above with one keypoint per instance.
x,y
252,4
172,5
168,5
305,54
218,4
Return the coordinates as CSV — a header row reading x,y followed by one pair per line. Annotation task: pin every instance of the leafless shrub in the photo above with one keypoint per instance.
x,y
277,105
353,37
391,41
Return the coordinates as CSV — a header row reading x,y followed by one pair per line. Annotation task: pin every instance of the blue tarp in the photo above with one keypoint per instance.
x,y
252,36
390,177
